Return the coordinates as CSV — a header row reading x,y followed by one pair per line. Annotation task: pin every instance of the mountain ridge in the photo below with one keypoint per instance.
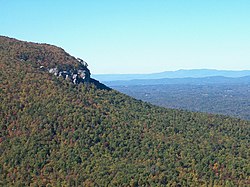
x,y
58,133
50,58
192,73
188,80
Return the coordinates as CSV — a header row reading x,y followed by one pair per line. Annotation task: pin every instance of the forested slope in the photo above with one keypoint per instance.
x,y
54,132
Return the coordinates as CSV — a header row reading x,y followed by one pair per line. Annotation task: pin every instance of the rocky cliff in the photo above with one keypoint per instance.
x,y
48,58
75,75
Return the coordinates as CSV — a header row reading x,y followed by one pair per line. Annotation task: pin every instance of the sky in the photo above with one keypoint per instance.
x,y
137,36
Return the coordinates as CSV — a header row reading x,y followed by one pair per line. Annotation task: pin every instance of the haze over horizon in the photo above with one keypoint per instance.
x,y
173,71
141,36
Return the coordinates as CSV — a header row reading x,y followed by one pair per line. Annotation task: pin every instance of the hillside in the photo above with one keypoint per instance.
x,y
55,132
216,94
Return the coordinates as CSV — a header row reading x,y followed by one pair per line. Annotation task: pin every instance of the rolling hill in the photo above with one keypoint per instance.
x,y
60,127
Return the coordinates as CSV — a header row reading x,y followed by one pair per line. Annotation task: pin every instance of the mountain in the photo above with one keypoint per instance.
x,y
61,130
193,81
193,73
47,58
219,80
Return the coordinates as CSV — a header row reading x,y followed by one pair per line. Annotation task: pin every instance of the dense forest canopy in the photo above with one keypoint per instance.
x,y
57,133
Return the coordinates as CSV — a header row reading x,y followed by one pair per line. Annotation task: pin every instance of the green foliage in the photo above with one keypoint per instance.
x,y
55,133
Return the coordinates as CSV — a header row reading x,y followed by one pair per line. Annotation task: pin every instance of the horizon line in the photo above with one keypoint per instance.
x,y
229,70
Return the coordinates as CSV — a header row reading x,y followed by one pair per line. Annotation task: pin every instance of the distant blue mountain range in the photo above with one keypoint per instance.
x,y
193,73
189,80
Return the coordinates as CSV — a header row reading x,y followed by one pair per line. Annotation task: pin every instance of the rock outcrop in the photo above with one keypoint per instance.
x,y
49,58
77,75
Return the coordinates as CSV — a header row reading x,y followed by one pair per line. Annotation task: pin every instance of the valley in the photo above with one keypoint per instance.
x,y
56,131
227,99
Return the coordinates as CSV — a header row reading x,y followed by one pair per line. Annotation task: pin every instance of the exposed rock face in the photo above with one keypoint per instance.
x,y
80,75
49,58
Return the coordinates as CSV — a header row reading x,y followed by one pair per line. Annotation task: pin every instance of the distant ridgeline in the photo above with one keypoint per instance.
x,y
49,58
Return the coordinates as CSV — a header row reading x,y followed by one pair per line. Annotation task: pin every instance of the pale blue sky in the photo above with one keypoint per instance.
x,y
137,36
